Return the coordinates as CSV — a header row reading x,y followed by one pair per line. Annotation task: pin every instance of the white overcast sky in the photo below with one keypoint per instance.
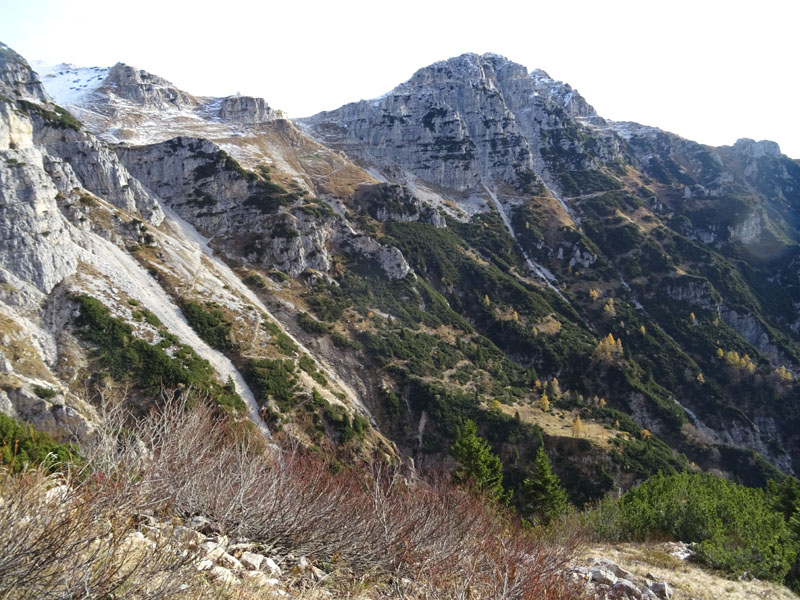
x,y
709,70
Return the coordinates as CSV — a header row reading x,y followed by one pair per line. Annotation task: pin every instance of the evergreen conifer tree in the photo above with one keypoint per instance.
x,y
543,497
478,465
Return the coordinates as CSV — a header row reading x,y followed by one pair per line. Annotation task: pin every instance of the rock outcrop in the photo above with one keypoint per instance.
x,y
754,149
246,109
458,123
17,77
66,209
246,213
603,579
145,89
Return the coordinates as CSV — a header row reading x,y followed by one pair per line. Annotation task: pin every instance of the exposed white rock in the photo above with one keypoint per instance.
x,y
212,550
18,79
229,562
754,149
16,131
623,586
246,109
604,576
270,565
662,589
205,564
389,259
252,561
223,575
261,579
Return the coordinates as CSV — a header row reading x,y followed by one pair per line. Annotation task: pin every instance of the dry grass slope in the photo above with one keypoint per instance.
x,y
690,581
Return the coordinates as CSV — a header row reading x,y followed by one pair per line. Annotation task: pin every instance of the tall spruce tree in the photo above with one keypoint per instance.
x,y
543,497
478,466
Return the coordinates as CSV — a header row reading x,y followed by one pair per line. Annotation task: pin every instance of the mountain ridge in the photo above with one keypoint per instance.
x,y
533,193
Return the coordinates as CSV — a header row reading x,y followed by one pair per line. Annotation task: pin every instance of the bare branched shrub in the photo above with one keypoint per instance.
x,y
367,520
428,539
66,537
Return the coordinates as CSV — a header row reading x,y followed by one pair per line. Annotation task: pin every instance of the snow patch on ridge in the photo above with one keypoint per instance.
x,y
68,84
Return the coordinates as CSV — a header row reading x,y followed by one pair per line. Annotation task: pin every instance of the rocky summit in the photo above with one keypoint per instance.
x,y
475,260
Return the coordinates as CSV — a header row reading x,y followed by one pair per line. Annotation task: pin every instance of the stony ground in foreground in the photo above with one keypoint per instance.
x,y
687,580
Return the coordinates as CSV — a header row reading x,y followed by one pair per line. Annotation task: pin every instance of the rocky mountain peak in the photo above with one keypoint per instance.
x,y
754,149
459,123
17,79
469,67
496,72
145,88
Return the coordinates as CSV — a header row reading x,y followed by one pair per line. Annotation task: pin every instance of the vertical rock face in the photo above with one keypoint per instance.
x,y
15,131
35,241
755,149
17,77
249,215
458,122
58,135
246,109
100,171
246,214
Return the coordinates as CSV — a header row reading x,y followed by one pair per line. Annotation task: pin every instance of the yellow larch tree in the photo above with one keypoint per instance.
x,y
544,403
577,427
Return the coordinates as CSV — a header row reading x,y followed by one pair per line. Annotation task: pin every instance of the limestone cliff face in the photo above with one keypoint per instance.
x,y
246,213
35,239
68,212
100,171
70,152
390,202
246,109
457,123
755,149
17,77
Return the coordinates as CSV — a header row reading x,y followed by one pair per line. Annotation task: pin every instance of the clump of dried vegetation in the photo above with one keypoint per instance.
x,y
114,526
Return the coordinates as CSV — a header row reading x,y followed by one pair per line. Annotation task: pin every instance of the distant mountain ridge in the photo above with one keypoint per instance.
x,y
467,244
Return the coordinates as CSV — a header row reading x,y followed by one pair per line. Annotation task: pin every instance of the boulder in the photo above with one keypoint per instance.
x,y
662,589
230,562
252,561
260,579
222,575
604,576
272,566
624,588
204,565
212,550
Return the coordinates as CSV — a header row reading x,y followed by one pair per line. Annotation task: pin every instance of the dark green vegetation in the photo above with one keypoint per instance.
x,y
692,324
732,527
275,380
312,325
58,117
478,467
22,446
210,324
124,356
543,497
45,393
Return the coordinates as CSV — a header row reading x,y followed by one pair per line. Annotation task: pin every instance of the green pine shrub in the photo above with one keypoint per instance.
x,y
22,446
731,527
